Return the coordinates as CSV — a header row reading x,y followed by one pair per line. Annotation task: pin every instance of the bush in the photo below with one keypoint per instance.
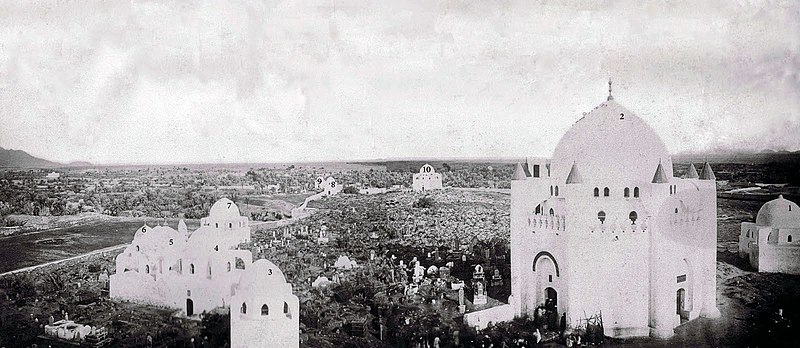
x,y
424,202
350,190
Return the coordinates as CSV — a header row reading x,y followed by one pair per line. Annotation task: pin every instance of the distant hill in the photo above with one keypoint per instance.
x,y
745,158
21,159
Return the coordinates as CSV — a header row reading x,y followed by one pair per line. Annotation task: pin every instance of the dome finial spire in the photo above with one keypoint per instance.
x,y
610,97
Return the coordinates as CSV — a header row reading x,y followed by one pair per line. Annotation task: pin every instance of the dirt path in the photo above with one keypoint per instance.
x,y
26,269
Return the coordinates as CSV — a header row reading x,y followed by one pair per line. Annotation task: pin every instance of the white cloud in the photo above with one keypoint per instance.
x,y
239,81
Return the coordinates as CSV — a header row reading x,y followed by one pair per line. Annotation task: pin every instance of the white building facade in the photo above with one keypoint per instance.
x,y
605,228
194,272
770,244
264,312
427,179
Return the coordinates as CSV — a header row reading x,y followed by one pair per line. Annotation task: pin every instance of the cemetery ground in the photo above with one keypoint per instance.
x,y
364,304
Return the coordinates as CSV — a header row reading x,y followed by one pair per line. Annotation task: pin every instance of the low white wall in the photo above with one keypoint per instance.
x,y
481,319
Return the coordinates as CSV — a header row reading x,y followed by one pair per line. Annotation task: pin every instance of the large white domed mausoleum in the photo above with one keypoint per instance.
x,y
604,227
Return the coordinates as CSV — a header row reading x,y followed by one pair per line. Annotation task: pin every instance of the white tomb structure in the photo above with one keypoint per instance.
x,y
605,227
264,313
330,187
770,244
427,179
195,271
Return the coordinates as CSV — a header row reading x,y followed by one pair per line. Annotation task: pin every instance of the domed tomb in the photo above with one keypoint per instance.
x,y
610,144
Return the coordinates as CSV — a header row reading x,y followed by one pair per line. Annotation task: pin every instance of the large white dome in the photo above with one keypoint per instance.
x,y
608,145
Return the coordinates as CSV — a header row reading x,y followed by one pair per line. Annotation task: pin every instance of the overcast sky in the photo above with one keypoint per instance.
x,y
261,81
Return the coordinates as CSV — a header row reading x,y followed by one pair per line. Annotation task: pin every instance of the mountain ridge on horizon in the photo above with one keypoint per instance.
x,y
10,158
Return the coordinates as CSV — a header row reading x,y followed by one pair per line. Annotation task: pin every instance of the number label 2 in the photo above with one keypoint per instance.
x,y
621,116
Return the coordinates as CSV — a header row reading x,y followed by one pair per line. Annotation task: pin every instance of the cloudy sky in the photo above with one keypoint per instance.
x,y
262,81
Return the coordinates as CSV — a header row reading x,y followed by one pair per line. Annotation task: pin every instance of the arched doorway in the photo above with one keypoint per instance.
x,y
680,305
189,307
550,299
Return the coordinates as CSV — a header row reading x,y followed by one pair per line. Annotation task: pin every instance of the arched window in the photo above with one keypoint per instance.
x,y
286,309
789,239
552,212
627,192
633,216
230,225
601,216
556,190
606,192
635,192
551,190
596,192
264,309
229,266
191,268
137,248
676,210
244,308
239,263
216,225
539,209
670,189
147,267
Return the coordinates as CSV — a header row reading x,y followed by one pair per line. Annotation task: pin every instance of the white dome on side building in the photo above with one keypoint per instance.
x,y
779,213
224,209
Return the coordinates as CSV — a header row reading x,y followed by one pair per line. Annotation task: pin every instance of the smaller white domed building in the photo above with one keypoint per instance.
x,y
330,187
264,312
770,244
427,179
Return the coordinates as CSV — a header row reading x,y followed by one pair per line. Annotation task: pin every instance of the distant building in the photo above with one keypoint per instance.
x,y
264,312
427,179
195,271
53,176
770,244
330,187
605,227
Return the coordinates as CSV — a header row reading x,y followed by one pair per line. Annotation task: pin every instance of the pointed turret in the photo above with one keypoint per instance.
x,y
692,172
519,172
707,173
574,176
660,177
182,227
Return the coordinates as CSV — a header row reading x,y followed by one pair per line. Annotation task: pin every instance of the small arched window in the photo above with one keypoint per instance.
x,y
191,268
551,190
601,216
789,239
676,210
137,248
635,192
633,216
229,266
216,225
147,267
596,192
244,308
556,190
552,212
286,309
670,189
627,192
606,192
539,209
230,225
264,309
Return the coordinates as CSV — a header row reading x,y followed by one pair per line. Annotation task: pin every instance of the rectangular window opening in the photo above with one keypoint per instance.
x,y
681,278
